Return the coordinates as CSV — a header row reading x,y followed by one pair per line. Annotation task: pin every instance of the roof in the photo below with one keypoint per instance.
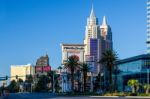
x,y
92,14
73,44
134,58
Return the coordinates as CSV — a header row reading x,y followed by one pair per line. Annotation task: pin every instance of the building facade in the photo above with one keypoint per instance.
x,y
21,71
148,26
72,49
68,50
42,65
137,67
98,39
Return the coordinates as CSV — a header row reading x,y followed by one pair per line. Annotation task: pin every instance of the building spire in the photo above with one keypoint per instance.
x,y
104,21
92,14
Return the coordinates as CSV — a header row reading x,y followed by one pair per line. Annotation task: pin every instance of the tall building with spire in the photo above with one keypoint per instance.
x,y
92,30
98,39
148,27
106,34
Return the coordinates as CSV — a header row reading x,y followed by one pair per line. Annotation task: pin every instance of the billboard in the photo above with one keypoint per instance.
x,y
46,68
42,68
91,63
72,49
38,69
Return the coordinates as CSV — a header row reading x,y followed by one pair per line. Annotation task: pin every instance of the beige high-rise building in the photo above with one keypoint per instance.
x,y
21,71
98,39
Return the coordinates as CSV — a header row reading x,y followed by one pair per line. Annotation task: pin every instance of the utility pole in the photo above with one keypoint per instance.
x,y
91,81
148,78
53,83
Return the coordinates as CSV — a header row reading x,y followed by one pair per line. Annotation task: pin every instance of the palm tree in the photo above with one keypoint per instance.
x,y
29,81
146,88
85,68
109,58
72,64
116,71
59,68
133,84
51,75
78,75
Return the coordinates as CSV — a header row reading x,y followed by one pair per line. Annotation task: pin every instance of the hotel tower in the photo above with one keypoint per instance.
x,y
98,39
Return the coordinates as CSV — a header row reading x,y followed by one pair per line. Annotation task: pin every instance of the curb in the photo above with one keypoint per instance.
x,y
104,96
143,97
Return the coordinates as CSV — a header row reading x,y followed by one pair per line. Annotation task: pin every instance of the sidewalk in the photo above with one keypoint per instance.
x,y
141,97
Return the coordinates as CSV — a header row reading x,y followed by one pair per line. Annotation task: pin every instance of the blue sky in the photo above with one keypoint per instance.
x,y
29,27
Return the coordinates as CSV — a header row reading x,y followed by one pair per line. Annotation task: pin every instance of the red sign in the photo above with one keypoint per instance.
x,y
38,68
42,68
46,68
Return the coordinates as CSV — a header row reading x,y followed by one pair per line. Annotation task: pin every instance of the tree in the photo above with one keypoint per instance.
x,y
133,84
51,75
116,71
20,84
20,81
78,75
42,84
28,82
60,68
13,87
147,88
108,59
85,68
72,64
29,79
57,83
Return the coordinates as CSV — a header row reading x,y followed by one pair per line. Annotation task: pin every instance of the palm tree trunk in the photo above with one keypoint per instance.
x,y
72,82
78,83
110,79
115,88
84,82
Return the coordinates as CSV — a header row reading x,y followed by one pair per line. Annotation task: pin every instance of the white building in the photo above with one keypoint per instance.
x,y
68,50
72,49
21,71
148,26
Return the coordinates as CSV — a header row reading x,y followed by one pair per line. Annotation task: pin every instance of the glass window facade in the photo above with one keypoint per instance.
x,y
94,51
133,68
94,48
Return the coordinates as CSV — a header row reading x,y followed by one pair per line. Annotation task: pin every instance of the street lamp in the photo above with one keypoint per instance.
x,y
148,78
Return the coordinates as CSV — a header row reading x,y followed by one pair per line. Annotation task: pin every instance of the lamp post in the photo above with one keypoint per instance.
x,y
91,81
53,82
148,78
101,76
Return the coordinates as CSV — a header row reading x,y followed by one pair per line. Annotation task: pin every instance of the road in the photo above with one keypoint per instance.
x,y
52,96
30,96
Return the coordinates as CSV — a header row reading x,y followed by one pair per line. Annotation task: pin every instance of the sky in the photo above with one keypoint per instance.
x,y
32,28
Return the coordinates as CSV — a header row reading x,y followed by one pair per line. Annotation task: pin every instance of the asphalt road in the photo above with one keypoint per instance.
x,y
52,96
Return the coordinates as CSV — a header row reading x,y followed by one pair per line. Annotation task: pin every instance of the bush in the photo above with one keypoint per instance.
x,y
115,94
143,94
133,94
